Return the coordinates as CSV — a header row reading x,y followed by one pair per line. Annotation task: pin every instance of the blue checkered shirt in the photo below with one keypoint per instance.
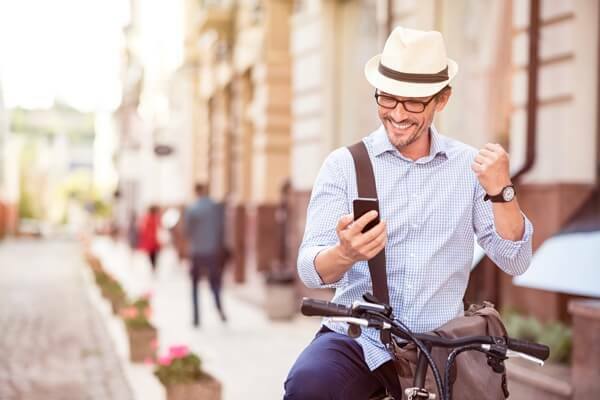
x,y
434,209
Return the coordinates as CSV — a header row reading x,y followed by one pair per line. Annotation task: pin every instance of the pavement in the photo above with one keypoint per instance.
x,y
249,354
54,344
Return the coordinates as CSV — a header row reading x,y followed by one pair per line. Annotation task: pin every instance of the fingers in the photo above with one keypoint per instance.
x,y
344,222
376,245
360,223
477,168
488,154
367,237
358,246
493,147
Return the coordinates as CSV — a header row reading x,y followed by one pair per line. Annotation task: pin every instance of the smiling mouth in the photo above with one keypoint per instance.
x,y
401,125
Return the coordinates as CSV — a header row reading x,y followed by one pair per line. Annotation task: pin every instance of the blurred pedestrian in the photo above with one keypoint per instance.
x,y
148,235
204,228
132,231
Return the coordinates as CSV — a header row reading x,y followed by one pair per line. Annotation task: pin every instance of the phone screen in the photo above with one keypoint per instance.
x,y
363,205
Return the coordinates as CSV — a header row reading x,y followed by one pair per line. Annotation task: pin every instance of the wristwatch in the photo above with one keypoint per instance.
x,y
506,194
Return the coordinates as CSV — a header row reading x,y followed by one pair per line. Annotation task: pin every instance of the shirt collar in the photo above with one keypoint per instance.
x,y
381,144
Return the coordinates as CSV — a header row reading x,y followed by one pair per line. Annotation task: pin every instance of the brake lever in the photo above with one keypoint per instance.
x,y
385,309
512,353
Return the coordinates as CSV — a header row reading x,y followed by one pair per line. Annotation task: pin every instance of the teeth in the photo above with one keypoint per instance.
x,y
404,125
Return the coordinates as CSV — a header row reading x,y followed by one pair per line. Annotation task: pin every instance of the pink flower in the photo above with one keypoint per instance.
x,y
178,351
148,295
165,360
129,312
148,361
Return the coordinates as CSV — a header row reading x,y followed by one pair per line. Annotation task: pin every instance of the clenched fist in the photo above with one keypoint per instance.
x,y
491,166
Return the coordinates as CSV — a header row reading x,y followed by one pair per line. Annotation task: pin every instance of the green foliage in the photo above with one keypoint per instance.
x,y
180,370
137,313
141,304
109,286
28,206
138,322
555,335
559,337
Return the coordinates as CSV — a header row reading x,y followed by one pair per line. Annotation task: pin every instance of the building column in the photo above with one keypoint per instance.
x,y
271,140
241,168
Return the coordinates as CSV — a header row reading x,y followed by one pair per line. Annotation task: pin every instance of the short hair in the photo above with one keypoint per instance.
x,y
200,189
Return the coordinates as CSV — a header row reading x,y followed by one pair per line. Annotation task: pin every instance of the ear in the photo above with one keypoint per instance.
x,y
442,99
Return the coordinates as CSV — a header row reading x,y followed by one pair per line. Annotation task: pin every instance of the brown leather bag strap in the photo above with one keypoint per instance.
x,y
365,181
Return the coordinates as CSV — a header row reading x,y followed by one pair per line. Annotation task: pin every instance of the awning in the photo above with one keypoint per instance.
x,y
567,263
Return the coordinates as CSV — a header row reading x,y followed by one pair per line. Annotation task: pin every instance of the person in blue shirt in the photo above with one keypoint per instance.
x,y
433,201
204,230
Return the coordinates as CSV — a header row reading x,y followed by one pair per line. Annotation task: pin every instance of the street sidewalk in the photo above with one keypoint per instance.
x,y
249,354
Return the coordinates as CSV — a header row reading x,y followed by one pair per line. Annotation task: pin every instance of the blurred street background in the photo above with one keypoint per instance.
x,y
111,112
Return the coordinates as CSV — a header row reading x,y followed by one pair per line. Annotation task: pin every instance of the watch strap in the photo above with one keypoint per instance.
x,y
498,198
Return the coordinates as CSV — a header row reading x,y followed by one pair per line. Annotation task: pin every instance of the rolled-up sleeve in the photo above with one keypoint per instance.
x,y
513,257
328,202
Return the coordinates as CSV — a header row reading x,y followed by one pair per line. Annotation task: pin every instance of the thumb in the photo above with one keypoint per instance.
x,y
344,221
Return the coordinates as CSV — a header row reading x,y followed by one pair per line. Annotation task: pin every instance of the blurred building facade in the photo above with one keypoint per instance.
x,y
4,201
266,89
152,151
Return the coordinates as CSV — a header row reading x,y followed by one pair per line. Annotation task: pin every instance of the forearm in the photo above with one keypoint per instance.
x,y
331,264
508,220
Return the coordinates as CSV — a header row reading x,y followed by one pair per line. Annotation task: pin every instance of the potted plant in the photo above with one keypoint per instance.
x,y
180,371
111,290
141,333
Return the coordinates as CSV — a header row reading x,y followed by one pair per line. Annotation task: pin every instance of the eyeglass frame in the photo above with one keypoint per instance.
x,y
423,103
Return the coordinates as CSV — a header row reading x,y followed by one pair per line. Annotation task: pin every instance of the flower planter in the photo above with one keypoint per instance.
x,y
141,343
116,303
207,388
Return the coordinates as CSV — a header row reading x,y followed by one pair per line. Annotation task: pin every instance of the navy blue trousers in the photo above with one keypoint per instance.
x,y
201,265
333,367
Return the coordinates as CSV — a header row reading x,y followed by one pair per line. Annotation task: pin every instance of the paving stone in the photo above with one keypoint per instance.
x,y
53,344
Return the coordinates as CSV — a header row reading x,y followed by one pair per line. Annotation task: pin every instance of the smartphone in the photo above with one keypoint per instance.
x,y
363,205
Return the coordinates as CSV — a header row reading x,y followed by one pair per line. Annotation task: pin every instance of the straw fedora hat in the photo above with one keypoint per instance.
x,y
413,64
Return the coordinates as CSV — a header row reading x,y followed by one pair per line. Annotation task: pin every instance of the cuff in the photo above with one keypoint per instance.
x,y
308,272
510,248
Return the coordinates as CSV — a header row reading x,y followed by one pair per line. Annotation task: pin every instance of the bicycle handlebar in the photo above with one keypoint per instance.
x,y
322,308
312,307
533,349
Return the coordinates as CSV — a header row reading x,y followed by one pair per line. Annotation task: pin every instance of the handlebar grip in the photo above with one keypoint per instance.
x,y
533,349
312,307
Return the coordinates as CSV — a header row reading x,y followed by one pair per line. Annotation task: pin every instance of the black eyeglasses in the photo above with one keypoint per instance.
x,y
412,106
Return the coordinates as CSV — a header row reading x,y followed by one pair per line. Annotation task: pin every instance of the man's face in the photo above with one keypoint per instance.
x,y
405,127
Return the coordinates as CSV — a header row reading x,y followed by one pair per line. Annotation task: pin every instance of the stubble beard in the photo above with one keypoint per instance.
x,y
399,143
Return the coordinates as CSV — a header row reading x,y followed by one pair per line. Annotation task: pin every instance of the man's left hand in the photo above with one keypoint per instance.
x,y
491,168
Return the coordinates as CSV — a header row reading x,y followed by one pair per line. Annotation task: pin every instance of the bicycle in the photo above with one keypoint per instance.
x,y
371,313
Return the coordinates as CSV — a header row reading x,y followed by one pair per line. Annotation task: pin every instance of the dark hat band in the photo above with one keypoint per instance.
x,y
414,78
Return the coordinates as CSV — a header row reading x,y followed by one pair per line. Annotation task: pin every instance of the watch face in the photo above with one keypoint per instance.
x,y
508,193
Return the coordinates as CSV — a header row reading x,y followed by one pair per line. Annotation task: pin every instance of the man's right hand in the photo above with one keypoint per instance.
x,y
332,263
357,246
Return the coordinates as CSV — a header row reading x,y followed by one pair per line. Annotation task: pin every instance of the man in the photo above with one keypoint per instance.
x,y
204,226
431,193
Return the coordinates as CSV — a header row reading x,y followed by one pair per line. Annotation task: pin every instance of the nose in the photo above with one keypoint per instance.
x,y
398,113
